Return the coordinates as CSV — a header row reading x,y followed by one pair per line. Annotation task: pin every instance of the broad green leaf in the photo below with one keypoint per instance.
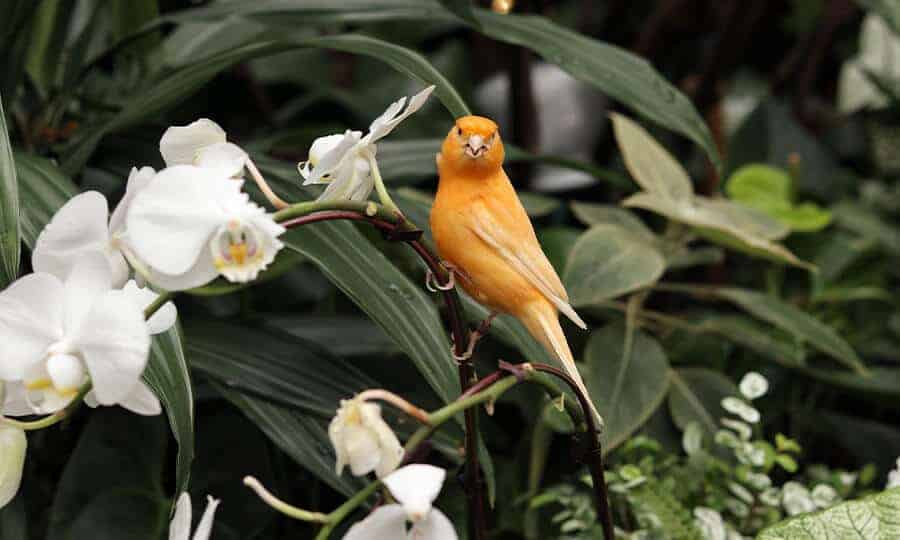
x,y
626,388
50,27
609,261
769,190
330,332
300,436
111,488
462,9
696,395
538,205
15,33
616,72
273,366
870,518
798,323
887,9
292,14
867,223
721,222
686,257
10,237
747,332
596,214
557,244
651,165
177,85
838,251
168,375
43,189
130,16
881,381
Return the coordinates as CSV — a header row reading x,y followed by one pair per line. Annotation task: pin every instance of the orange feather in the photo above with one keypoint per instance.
x,y
480,226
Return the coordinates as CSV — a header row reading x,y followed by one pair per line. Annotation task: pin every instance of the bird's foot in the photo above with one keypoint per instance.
x,y
432,283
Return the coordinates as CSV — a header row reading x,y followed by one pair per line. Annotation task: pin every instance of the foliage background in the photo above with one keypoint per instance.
x,y
89,86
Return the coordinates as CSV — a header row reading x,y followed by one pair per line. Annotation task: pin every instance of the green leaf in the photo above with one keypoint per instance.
x,y
651,165
43,189
15,30
881,381
616,72
111,487
538,205
747,332
330,332
168,375
273,366
303,438
462,9
626,388
596,214
609,261
870,518
557,244
798,323
865,222
696,395
10,237
174,87
769,190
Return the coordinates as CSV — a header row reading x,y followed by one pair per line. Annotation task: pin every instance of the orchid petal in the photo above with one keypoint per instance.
x,y
334,157
362,448
114,343
16,402
386,123
416,487
226,158
171,220
165,316
203,271
385,522
89,279
390,451
78,227
142,400
13,446
180,526
138,179
204,528
435,526
180,145
31,319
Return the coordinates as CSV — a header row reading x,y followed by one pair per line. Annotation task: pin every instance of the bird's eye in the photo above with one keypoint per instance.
x,y
459,131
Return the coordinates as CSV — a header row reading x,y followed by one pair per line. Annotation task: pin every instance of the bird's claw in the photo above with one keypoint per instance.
x,y
432,283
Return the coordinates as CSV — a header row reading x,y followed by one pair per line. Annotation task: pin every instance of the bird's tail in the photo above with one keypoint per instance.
x,y
542,322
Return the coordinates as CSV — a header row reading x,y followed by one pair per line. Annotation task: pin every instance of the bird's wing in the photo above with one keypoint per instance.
x,y
498,228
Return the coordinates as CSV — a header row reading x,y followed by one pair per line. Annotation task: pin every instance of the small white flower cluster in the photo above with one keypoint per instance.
x,y
365,442
711,525
739,433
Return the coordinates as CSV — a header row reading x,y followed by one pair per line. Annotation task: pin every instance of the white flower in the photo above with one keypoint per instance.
x,y
193,223
180,527
742,429
345,161
202,143
796,499
754,385
879,53
415,487
741,408
824,495
362,439
12,460
710,523
770,496
894,477
59,335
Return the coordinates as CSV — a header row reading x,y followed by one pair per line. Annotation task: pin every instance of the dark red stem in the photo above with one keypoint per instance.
x,y
467,377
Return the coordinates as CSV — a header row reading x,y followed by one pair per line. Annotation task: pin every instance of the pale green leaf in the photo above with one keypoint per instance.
x,y
696,395
876,517
769,190
43,189
651,165
10,237
609,261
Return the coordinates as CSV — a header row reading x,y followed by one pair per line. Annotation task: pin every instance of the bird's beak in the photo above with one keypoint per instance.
x,y
476,146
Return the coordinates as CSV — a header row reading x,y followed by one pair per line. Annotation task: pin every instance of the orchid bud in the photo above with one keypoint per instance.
x,y
362,439
12,460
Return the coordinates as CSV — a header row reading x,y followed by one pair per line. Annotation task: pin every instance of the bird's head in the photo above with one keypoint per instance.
x,y
473,145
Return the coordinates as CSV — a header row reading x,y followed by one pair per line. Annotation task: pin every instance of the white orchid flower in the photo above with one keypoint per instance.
x,y
13,445
345,162
59,335
753,385
879,53
415,487
362,439
204,144
192,224
180,527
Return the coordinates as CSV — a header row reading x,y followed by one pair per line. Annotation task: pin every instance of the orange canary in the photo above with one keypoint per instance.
x,y
482,230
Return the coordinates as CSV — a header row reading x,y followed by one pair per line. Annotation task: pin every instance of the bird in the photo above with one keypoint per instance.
x,y
483,233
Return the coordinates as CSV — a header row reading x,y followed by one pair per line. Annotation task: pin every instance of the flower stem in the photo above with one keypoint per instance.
x,y
380,188
52,419
337,516
281,506
159,302
397,401
274,199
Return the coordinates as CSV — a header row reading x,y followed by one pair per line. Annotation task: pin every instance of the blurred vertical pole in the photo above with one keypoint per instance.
x,y
523,104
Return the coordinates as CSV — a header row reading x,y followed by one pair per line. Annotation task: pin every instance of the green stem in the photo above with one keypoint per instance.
x,y
380,188
54,418
365,208
159,302
336,517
